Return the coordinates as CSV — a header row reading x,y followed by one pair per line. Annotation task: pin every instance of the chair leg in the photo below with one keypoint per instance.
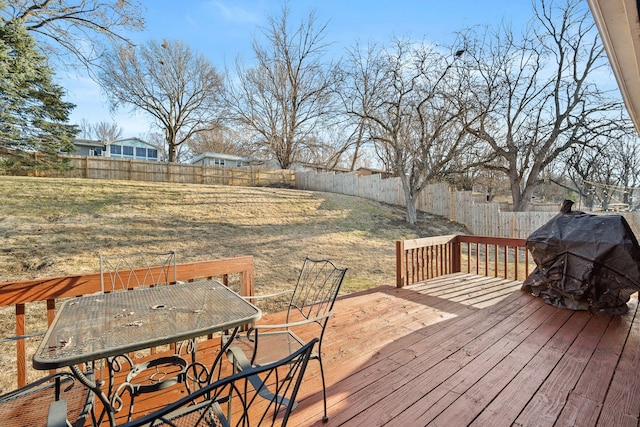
x,y
325,418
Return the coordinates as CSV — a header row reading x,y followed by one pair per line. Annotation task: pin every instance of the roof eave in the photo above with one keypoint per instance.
x,y
619,28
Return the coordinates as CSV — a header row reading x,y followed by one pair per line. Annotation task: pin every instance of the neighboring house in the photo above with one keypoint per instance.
x,y
131,148
88,147
315,167
126,148
220,159
229,160
371,171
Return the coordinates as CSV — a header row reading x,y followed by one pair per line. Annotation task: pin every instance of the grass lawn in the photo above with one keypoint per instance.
x,y
57,227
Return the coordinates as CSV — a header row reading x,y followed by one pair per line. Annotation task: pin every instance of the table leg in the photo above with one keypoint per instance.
x,y
97,391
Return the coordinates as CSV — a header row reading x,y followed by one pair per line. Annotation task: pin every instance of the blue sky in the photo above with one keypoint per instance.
x,y
223,29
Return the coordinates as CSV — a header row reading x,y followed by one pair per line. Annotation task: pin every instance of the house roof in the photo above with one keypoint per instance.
x,y
617,22
224,156
134,139
98,143
87,143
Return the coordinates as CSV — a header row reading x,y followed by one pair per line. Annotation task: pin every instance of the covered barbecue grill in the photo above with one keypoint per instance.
x,y
585,262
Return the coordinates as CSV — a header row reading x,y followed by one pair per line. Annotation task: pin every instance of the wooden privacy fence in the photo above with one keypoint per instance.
x,y
49,290
422,259
139,170
480,218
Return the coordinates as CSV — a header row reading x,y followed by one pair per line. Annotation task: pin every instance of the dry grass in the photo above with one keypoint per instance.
x,y
57,227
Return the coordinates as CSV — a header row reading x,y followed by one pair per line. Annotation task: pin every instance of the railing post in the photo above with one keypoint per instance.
x,y
246,283
21,363
400,279
247,288
456,257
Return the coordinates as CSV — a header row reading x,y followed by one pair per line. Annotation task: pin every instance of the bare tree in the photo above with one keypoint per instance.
x,y
107,131
605,170
407,101
282,99
166,80
534,97
76,31
583,164
219,139
84,129
361,70
627,152
102,131
352,143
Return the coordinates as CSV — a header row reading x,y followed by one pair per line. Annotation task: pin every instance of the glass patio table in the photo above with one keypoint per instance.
x,y
100,326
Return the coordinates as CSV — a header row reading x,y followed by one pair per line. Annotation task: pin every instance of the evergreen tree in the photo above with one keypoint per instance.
x,y
33,116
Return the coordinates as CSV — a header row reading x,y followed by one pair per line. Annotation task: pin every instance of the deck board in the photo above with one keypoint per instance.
x,y
463,350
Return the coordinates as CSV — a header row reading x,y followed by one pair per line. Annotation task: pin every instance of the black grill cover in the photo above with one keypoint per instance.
x,y
585,262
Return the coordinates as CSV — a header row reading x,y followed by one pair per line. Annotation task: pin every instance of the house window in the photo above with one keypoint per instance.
x,y
152,153
115,149
141,152
238,164
127,151
218,162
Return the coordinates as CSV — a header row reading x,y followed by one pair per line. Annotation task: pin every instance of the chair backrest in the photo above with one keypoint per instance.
x,y
316,290
234,401
122,272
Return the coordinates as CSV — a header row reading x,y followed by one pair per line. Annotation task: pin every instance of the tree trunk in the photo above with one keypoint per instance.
x,y
521,199
172,153
412,213
410,200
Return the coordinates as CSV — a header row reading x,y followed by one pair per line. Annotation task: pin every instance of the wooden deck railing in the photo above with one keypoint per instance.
x,y
422,259
18,294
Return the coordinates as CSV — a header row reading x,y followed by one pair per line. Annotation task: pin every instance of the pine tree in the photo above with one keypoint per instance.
x,y
33,117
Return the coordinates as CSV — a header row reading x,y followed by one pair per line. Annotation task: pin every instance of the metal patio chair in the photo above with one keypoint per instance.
x,y
234,400
125,273
30,405
311,303
129,271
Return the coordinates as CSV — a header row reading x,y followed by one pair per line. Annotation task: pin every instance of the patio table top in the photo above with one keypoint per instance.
x,y
96,326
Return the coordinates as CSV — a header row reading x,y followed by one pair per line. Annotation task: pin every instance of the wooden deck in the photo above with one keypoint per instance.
x,y
467,350
463,350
